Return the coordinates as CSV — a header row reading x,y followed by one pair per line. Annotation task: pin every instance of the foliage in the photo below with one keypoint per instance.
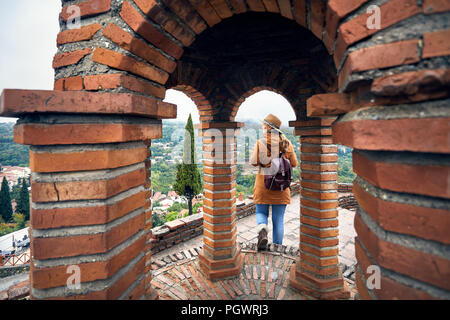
x,y
12,154
5,229
345,166
158,220
188,180
172,216
23,202
5,201
19,220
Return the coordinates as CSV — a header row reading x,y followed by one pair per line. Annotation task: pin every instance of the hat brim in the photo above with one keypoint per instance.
x,y
264,122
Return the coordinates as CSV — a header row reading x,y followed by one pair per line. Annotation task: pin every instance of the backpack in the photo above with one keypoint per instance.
x,y
279,175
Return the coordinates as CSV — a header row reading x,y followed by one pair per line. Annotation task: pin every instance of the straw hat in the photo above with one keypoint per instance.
x,y
273,121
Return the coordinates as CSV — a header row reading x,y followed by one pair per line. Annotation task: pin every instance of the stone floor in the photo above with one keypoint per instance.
x,y
265,275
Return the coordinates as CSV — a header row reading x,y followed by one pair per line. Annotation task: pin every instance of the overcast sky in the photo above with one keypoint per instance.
x,y
28,30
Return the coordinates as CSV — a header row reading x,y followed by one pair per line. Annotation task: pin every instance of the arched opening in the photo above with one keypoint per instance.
x,y
167,152
258,103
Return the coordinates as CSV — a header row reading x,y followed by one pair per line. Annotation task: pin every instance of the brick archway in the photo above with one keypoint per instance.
x,y
116,67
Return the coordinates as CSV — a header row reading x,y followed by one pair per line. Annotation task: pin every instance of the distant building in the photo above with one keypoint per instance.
x,y
13,174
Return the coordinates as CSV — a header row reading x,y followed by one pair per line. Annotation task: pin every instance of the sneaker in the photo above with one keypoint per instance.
x,y
262,236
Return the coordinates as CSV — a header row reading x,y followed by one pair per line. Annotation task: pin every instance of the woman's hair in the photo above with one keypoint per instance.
x,y
284,143
283,140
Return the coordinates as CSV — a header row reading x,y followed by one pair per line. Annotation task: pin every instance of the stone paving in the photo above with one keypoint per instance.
x,y
265,274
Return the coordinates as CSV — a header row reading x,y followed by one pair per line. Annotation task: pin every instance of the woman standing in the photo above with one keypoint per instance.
x,y
272,143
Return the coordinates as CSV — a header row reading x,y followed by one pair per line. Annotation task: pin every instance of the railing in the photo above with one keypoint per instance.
x,y
12,260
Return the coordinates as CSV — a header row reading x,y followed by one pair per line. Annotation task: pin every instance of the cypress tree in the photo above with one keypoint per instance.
x,y
23,203
5,201
188,181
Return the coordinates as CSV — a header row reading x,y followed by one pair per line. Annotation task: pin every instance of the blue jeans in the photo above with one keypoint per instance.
x,y
262,217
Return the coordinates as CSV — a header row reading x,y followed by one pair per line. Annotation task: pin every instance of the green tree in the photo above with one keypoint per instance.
x,y
188,181
23,203
19,219
5,201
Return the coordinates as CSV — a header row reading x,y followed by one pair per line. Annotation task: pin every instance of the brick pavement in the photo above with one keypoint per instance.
x,y
264,275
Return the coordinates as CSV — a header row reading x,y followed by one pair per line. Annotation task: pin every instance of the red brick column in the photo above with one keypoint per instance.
x,y
401,158
316,272
90,182
220,256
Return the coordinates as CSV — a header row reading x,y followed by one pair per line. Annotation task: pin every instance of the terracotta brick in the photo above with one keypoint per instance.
x,y
271,6
319,223
317,17
331,185
318,204
285,9
88,8
430,180
356,29
317,140
238,6
112,81
318,167
57,276
256,5
168,23
362,289
394,134
17,102
102,81
336,10
320,104
187,14
299,10
93,133
59,85
141,26
320,195
411,83
413,263
122,62
320,243
116,290
426,223
321,233
323,158
206,11
76,35
73,84
138,47
325,262
391,289
69,58
433,6
436,44
380,56
84,190
318,176
85,160
312,132
317,252
70,246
